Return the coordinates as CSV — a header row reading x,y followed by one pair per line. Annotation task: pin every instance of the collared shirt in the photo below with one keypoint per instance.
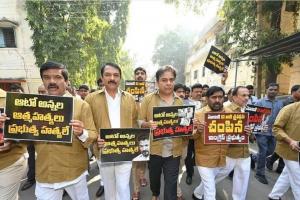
x,y
114,105
275,106
197,104
252,100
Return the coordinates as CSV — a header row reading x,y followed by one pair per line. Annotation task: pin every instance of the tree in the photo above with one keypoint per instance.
x,y
78,34
172,48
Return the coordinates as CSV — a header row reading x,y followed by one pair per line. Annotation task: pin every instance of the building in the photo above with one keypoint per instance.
x,y
17,61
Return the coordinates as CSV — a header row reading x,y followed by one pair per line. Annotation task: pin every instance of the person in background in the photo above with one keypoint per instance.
x,y
16,88
229,97
187,93
83,91
42,89
252,99
100,83
205,88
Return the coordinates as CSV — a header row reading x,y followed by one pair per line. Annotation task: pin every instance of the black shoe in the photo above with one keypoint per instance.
x,y
252,162
269,165
261,178
230,175
279,170
195,198
100,191
189,180
27,185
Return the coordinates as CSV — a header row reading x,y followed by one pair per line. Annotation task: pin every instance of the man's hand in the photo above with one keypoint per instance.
x,y
100,142
77,127
6,146
294,145
199,126
151,124
3,118
248,130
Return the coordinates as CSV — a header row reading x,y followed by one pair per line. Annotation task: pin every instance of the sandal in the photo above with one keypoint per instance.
x,y
135,196
143,182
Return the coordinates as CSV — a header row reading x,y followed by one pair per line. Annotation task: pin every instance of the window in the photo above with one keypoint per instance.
x,y
7,38
203,71
195,74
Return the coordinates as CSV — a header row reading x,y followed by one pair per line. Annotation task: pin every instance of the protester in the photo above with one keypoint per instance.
x,y
113,108
252,99
83,91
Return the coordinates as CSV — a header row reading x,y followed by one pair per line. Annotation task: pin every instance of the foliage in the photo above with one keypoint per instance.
x,y
77,34
172,48
194,5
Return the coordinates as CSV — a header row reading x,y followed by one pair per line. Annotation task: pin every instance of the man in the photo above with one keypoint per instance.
x,y
113,108
13,162
165,153
144,147
61,166
196,96
205,88
265,140
209,158
179,90
83,91
42,89
139,168
252,99
286,129
140,74
295,97
187,92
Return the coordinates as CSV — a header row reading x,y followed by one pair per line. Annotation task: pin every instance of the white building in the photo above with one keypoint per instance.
x,y
17,61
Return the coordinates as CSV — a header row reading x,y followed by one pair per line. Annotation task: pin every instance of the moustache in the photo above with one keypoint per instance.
x,y
112,82
52,85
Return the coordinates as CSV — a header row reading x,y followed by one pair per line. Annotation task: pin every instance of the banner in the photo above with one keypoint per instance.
x,y
1,129
217,60
173,121
125,144
258,117
225,128
38,118
139,88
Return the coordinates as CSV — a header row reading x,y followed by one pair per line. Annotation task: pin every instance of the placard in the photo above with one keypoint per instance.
x,y
225,128
217,60
139,88
125,144
173,121
258,117
38,117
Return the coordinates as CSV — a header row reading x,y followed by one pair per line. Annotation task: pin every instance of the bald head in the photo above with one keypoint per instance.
x,y
42,89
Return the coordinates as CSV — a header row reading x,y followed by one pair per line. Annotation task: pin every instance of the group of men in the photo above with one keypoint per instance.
x,y
62,167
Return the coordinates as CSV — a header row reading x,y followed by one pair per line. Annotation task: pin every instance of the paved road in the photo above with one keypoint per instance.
x,y
256,190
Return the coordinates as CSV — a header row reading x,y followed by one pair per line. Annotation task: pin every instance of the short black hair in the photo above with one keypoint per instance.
x,y
99,81
54,65
273,85
140,69
196,85
250,87
236,90
112,65
205,86
84,86
187,89
295,88
214,89
15,87
178,86
164,69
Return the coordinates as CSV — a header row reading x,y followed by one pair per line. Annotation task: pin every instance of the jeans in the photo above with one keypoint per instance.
x,y
170,167
266,146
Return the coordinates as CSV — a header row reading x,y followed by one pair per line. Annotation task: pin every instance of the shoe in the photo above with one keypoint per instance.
x,y
269,165
135,196
189,180
100,191
230,175
252,162
180,198
143,182
195,198
27,185
262,179
279,170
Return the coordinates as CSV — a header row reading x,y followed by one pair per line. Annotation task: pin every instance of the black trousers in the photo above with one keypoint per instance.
x,y
190,159
31,163
170,168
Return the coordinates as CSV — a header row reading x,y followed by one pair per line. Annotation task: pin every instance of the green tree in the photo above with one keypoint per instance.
x,y
171,48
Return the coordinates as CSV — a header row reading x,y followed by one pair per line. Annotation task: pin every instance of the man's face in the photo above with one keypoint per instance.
x,y
111,78
251,92
140,75
215,101
204,90
83,93
197,94
272,92
42,90
241,97
180,92
54,82
187,94
144,147
296,95
166,83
